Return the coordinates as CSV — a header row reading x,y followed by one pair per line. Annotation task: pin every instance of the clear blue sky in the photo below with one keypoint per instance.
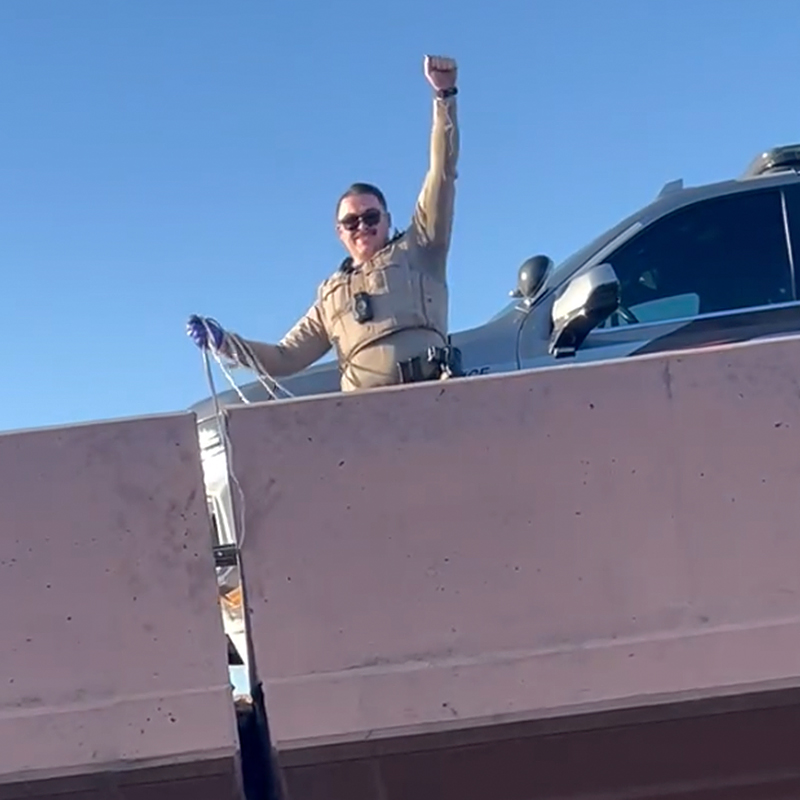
x,y
164,157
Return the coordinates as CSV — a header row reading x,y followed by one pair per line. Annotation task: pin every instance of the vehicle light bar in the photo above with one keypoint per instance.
x,y
777,159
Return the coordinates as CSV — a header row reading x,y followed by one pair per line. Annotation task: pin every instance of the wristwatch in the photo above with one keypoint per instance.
x,y
452,91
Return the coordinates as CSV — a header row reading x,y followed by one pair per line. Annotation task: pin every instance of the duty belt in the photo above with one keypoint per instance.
x,y
437,364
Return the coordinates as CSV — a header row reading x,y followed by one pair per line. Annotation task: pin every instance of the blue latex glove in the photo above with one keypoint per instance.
x,y
196,330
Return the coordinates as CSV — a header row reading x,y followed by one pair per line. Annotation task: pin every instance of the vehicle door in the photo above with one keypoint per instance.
x,y
720,270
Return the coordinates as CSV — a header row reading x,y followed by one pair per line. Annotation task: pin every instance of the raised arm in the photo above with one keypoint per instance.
x,y
433,215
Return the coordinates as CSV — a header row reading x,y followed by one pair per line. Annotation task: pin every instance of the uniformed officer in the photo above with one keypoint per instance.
x,y
385,309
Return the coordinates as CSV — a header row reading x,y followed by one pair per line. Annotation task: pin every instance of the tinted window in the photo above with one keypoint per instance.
x,y
716,255
792,193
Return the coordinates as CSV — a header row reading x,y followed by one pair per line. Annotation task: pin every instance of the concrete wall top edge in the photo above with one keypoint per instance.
x,y
180,414
565,365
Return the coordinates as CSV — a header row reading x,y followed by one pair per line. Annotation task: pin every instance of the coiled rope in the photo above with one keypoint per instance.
x,y
245,357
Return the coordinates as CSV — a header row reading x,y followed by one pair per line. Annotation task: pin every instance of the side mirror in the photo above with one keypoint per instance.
x,y
588,299
531,276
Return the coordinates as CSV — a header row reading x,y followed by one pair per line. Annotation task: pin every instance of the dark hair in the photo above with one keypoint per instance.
x,y
363,188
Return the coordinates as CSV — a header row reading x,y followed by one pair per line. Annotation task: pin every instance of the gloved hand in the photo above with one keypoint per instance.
x,y
196,330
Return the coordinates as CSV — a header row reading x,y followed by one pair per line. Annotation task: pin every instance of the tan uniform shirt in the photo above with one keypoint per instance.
x,y
406,281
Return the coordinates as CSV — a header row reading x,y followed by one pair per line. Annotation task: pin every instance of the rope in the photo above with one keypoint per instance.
x,y
247,358
244,356
238,529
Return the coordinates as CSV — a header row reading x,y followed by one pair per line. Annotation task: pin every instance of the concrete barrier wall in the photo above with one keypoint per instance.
x,y
518,547
113,654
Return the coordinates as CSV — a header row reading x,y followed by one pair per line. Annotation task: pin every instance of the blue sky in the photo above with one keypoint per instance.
x,y
161,158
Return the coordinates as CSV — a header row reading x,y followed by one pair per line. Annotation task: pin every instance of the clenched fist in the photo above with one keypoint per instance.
x,y
441,72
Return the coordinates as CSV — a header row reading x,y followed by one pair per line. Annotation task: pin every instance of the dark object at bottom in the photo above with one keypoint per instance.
x,y
226,555
260,777
438,363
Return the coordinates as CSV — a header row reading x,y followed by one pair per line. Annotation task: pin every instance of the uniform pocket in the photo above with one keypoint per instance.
x,y
376,282
395,298
396,280
335,300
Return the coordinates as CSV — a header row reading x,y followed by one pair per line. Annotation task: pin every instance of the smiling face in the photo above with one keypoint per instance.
x,y
362,224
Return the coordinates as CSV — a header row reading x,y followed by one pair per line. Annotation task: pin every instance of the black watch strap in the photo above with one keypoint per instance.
x,y
451,92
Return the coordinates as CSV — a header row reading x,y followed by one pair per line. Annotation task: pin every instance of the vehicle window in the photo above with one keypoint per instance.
x,y
673,307
716,255
792,193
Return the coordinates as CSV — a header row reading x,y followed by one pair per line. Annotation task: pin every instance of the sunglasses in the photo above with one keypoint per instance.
x,y
371,217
